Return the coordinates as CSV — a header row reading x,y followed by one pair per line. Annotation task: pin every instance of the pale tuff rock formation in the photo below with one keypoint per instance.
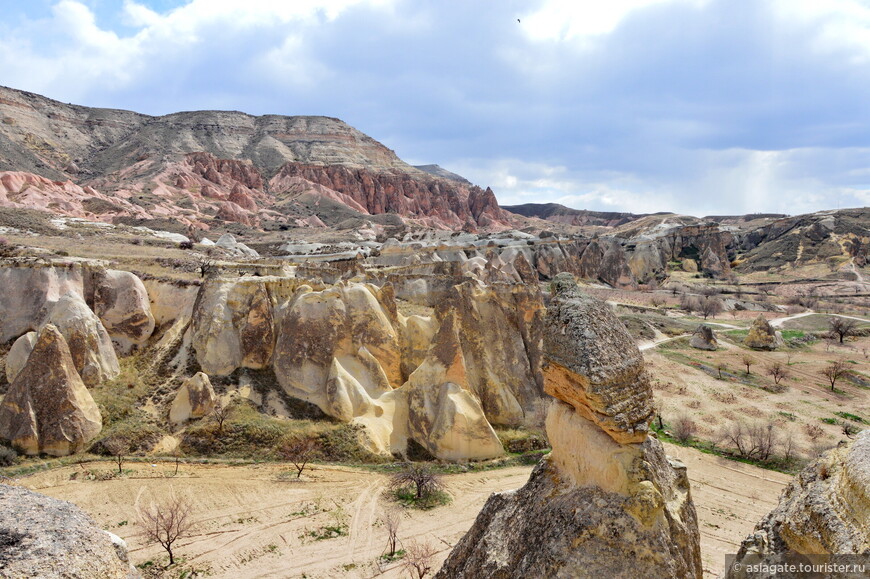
x,y
195,398
606,502
704,339
92,352
498,333
48,409
448,421
232,326
53,539
336,324
121,302
761,335
38,286
170,302
18,354
824,510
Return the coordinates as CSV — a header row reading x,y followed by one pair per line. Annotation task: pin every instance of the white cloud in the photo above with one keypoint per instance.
x,y
572,19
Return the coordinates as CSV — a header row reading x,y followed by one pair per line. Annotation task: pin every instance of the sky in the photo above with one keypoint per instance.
x,y
703,107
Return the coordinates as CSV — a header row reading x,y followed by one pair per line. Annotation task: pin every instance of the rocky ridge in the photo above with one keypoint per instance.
x,y
825,510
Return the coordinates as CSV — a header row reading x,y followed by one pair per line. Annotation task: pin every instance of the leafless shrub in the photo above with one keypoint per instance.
x,y
725,397
684,428
849,428
656,301
710,306
299,451
391,519
757,441
206,265
814,432
694,404
221,413
166,522
418,559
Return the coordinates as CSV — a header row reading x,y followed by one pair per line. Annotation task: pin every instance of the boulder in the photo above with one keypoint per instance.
x,y
825,510
228,243
48,409
18,354
704,339
606,502
761,335
196,398
53,539
90,345
121,302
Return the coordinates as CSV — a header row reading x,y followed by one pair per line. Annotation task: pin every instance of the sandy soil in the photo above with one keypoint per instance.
x,y
252,525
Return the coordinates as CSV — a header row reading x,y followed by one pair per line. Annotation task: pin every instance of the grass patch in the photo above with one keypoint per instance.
x,y
387,558
852,417
408,498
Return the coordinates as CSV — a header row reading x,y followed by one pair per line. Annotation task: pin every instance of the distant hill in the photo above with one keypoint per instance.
x,y
567,216
225,165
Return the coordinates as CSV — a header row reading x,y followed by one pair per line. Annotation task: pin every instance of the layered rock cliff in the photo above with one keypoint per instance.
x,y
606,502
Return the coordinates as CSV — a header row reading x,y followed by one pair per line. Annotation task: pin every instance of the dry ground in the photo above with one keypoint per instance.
x,y
251,524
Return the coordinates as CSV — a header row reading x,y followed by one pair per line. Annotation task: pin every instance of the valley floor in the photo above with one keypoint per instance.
x,y
253,521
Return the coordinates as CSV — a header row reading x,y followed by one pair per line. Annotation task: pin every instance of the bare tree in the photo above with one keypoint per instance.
x,y
299,451
420,476
747,361
166,522
777,371
206,265
710,306
118,447
220,413
684,428
656,301
392,518
843,327
834,371
418,559
721,367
